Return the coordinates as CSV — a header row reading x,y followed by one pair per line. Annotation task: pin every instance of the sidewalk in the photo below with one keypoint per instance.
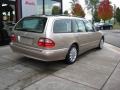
x,y
96,71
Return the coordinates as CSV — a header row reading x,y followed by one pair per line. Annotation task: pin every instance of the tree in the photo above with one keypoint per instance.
x,y
66,12
117,15
92,5
74,2
95,17
105,10
56,10
77,10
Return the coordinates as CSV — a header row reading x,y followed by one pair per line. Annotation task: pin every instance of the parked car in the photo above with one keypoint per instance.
x,y
51,38
103,26
4,37
8,27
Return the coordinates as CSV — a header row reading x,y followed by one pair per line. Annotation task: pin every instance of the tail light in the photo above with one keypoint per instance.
x,y
13,37
45,42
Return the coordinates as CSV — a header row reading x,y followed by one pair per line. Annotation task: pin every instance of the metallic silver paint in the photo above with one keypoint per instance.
x,y
63,41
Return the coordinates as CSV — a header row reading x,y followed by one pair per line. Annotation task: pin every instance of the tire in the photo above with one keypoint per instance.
x,y
111,27
71,55
101,44
102,28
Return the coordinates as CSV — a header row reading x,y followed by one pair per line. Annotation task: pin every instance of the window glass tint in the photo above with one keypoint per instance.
x,y
89,26
62,26
74,26
31,24
81,26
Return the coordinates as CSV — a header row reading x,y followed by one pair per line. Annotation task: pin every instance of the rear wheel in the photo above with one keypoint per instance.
x,y
72,55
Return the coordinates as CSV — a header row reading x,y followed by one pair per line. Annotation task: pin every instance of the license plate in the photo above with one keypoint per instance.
x,y
26,40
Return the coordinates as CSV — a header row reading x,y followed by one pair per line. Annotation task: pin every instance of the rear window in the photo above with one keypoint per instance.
x,y
32,24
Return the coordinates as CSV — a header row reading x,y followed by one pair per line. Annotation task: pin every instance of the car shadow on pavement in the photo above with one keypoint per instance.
x,y
47,67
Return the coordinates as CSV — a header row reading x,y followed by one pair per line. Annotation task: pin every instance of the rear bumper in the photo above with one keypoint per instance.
x,y
43,55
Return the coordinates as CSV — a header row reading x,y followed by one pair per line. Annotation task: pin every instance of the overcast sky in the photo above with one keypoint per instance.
x,y
116,2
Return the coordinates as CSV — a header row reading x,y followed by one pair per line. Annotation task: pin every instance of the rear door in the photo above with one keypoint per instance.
x,y
81,35
29,30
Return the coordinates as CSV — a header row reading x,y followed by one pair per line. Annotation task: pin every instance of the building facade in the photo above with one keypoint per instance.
x,y
32,7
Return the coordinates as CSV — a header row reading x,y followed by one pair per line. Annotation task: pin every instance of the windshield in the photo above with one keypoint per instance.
x,y
32,24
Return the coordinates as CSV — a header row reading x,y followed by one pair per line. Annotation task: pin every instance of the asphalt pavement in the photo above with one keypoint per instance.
x,y
112,37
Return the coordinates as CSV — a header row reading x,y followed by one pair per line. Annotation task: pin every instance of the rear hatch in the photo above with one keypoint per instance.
x,y
28,31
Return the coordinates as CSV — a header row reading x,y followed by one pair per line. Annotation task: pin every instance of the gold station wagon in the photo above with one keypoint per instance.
x,y
50,38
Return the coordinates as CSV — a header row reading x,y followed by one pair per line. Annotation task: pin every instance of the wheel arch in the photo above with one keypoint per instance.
x,y
103,37
77,46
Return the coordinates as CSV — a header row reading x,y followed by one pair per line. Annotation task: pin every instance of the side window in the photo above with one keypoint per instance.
x,y
74,26
62,26
81,26
89,26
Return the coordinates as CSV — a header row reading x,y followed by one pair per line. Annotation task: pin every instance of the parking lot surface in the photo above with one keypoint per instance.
x,y
94,70
112,37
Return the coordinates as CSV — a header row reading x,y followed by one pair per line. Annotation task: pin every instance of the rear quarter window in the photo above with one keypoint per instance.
x,y
62,26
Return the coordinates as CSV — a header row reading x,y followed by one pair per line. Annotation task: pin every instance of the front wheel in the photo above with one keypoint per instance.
x,y
72,55
101,44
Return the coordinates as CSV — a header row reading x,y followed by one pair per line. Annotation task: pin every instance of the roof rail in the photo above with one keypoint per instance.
x,y
49,15
57,15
